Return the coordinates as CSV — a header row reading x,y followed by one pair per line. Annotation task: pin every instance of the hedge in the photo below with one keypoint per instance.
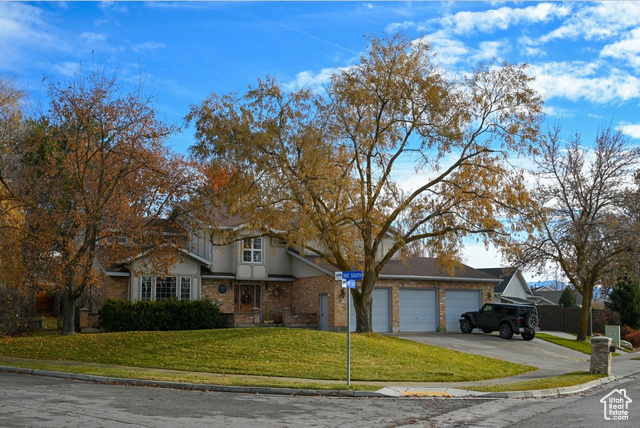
x,y
148,315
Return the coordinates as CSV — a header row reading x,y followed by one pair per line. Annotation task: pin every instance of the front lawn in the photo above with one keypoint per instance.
x,y
277,352
584,347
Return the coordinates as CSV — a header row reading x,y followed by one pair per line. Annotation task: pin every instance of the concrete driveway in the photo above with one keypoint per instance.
x,y
538,353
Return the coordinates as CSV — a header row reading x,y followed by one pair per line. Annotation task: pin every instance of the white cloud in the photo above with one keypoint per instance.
x,y
476,255
307,79
600,21
492,49
557,112
148,46
586,81
92,38
503,18
23,26
448,51
630,129
627,49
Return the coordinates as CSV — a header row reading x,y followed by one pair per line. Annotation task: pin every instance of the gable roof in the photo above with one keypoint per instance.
x,y
419,268
505,274
553,296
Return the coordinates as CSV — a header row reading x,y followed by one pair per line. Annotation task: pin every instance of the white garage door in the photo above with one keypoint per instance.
x,y
418,310
458,302
381,313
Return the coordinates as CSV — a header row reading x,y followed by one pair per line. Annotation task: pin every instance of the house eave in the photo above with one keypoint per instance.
x,y
441,278
120,274
218,277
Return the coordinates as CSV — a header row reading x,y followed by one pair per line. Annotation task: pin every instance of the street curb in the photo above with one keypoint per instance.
x,y
192,386
541,393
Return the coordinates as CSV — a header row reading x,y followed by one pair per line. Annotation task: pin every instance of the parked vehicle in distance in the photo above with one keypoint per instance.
x,y
507,319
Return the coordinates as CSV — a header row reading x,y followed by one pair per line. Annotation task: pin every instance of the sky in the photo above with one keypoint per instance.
x,y
584,56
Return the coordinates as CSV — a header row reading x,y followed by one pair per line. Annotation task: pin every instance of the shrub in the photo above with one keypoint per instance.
x,y
17,307
625,330
173,314
633,338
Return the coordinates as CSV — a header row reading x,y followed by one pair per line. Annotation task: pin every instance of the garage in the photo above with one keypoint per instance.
x,y
418,310
458,302
381,311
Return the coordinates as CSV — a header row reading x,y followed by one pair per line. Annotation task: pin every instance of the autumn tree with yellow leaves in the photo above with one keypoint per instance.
x,y
325,170
92,169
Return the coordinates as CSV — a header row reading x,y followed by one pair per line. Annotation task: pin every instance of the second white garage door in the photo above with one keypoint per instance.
x,y
418,310
457,303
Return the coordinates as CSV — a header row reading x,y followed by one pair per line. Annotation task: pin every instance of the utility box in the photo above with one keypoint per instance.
x,y
613,332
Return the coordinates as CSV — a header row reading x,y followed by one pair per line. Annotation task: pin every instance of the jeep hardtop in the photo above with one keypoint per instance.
x,y
507,319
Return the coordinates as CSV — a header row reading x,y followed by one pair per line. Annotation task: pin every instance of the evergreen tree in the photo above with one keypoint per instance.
x,y
567,298
624,298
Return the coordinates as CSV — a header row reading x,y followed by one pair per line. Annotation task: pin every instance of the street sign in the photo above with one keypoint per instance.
x,y
348,283
338,276
354,274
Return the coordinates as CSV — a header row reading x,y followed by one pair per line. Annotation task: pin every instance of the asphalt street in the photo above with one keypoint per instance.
x,y
35,401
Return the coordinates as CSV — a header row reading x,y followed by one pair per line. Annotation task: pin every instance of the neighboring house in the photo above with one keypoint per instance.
x,y
258,280
550,296
513,287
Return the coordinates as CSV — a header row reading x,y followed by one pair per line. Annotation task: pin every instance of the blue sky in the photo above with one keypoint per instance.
x,y
585,56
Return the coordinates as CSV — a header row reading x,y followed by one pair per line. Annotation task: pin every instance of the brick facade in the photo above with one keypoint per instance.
x,y
307,291
297,303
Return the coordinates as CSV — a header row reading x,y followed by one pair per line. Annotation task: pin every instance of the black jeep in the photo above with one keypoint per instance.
x,y
507,319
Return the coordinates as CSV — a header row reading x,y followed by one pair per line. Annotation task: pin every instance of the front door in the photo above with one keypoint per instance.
x,y
324,312
246,297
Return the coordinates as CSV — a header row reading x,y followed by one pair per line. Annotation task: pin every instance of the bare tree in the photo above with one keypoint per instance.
x,y
580,196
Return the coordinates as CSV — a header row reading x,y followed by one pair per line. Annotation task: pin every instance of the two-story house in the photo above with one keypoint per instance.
x,y
258,280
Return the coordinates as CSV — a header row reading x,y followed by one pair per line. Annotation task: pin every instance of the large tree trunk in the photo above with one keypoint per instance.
x,y
362,302
68,313
362,306
584,313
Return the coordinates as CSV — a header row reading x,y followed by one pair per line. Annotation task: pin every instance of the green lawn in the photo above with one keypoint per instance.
x,y
584,347
276,352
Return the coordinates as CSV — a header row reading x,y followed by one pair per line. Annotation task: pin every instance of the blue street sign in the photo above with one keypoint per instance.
x,y
351,283
355,274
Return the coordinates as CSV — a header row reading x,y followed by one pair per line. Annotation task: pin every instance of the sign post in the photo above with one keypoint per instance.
x,y
348,281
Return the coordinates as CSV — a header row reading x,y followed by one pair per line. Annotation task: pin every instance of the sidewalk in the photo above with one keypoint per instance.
x,y
622,366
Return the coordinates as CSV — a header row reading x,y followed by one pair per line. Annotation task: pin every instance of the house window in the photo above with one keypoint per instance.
x,y
165,288
147,283
252,250
185,288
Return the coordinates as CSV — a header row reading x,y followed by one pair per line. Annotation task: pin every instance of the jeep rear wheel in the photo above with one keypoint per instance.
x,y
465,326
506,332
528,335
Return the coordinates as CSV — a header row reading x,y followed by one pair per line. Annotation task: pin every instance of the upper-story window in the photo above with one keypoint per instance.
x,y
252,250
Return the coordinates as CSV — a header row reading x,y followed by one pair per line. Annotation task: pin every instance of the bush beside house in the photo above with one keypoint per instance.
x,y
164,315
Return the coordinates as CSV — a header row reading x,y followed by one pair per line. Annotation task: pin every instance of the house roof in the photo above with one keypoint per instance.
x,y
506,274
553,296
422,268
516,300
